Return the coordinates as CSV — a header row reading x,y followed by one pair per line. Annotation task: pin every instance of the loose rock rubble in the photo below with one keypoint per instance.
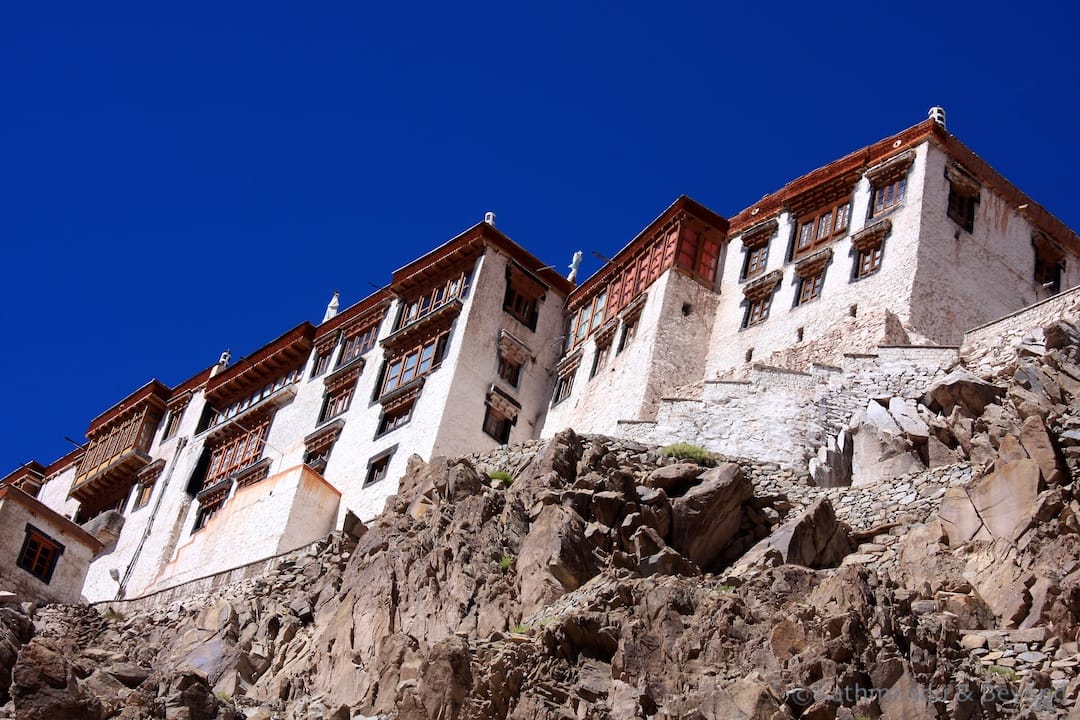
x,y
608,580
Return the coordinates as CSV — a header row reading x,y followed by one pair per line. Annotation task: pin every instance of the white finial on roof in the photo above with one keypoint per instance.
x,y
937,114
222,363
332,307
574,265
489,218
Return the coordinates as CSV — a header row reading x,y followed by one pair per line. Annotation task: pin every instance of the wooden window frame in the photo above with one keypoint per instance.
x,y
887,197
510,370
420,306
1049,263
962,209
322,362
600,358
810,287
237,452
758,311
391,420
868,262
337,401
357,343
39,554
417,361
964,191
821,227
756,260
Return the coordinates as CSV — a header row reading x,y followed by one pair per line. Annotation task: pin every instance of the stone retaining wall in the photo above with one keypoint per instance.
x,y
988,348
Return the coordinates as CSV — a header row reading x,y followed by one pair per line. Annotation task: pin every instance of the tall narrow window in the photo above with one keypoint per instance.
x,y
1049,262
963,196
497,425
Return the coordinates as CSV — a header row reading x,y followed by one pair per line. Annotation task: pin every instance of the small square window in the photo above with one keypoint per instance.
x,y
378,467
868,261
39,554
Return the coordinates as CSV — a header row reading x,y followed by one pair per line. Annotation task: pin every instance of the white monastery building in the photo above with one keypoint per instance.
x,y
906,243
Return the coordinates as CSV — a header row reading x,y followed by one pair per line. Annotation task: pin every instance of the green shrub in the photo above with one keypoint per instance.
x,y
502,477
519,629
693,453
506,563
1006,672
722,588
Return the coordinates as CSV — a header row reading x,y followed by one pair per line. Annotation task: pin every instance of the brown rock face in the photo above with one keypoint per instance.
x,y
707,517
813,539
44,686
555,558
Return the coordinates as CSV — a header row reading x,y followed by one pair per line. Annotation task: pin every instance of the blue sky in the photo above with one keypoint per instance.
x,y
175,180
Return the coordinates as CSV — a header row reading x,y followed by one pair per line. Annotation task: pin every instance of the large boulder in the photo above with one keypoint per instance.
x,y
707,517
814,538
44,686
999,505
555,558
963,389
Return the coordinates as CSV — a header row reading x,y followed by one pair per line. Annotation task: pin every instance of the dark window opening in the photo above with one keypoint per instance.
x,y
962,208
629,329
39,554
378,468
497,425
510,370
600,359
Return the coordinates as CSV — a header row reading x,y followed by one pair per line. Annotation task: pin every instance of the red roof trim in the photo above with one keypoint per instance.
x,y
489,234
369,305
681,204
302,333
773,204
151,390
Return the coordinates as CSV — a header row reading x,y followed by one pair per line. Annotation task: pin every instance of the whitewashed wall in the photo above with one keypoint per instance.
x,y
280,513
967,279
475,369
887,289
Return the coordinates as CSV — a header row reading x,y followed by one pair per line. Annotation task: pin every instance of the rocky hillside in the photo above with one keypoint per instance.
x,y
595,578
